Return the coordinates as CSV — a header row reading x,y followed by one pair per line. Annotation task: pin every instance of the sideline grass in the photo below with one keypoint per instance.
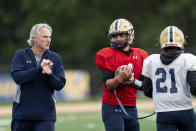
x,y
93,122
79,122
82,122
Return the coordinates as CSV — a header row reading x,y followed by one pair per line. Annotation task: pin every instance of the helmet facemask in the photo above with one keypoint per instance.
x,y
119,44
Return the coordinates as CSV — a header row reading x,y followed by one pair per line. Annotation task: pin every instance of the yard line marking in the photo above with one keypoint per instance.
x,y
2,129
91,125
5,122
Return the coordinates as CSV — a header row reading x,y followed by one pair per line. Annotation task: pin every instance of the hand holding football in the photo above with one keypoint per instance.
x,y
123,73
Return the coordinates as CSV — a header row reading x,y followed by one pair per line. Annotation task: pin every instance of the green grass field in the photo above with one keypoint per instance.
x,y
83,122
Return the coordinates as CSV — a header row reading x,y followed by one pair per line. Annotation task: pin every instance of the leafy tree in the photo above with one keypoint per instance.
x,y
80,26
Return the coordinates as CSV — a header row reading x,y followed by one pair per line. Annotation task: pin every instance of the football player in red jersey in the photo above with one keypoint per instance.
x,y
120,87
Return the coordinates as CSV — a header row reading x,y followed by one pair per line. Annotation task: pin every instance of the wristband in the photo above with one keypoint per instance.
x,y
116,80
137,84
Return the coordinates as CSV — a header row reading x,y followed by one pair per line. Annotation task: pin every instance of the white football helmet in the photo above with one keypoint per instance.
x,y
121,26
172,36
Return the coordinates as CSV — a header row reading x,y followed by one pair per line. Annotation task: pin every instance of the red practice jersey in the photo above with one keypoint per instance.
x,y
110,59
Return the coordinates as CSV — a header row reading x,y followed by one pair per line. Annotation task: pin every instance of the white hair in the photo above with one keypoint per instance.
x,y
35,31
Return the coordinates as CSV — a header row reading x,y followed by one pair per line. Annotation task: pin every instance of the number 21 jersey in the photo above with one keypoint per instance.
x,y
171,91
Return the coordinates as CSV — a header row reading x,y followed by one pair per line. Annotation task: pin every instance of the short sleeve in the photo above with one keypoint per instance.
x,y
145,54
145,69
105,60
191,62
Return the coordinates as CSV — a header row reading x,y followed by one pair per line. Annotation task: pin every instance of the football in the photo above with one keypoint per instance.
x,y
117,70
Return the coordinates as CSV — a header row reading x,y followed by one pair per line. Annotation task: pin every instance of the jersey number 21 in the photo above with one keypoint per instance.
x,y
165,89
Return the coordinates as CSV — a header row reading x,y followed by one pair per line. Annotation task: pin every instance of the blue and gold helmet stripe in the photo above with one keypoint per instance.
x,y
116,25
172,36
171,39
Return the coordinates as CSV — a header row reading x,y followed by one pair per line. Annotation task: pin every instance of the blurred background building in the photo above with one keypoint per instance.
x,y
79,31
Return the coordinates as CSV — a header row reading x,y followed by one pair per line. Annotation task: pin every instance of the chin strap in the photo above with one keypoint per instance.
x,y
118,46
